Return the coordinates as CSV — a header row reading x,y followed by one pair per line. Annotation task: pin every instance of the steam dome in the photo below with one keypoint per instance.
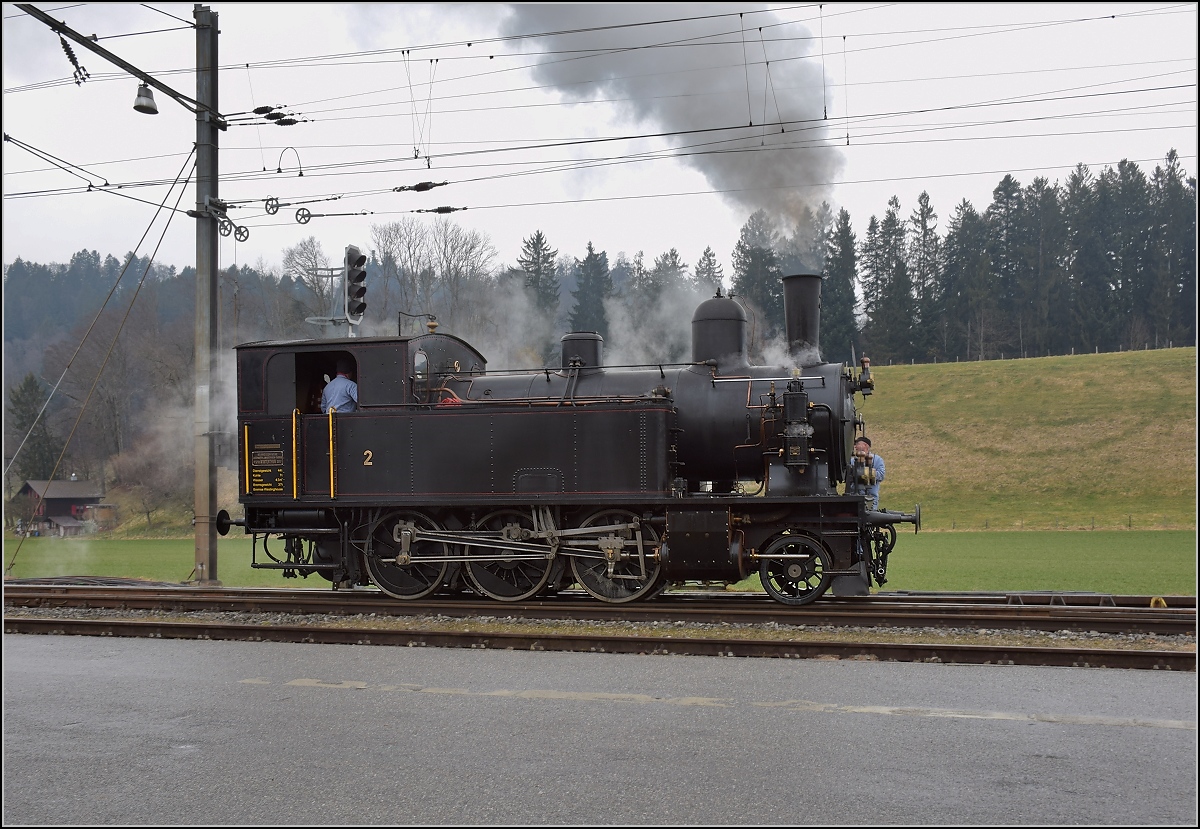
x,y
719,332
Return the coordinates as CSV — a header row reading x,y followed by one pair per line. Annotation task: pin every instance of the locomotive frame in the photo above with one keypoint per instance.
x,y
518,483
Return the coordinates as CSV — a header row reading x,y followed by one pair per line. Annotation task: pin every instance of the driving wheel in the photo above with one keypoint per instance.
x,y
394,556
519,575
625,565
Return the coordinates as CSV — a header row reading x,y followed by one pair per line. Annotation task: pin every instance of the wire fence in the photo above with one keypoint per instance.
x,y
1128,521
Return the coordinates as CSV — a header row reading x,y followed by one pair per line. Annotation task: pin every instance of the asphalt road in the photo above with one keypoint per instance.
x,y
152,732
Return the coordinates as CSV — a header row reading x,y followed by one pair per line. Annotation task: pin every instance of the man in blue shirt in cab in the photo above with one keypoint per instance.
x,y
341,393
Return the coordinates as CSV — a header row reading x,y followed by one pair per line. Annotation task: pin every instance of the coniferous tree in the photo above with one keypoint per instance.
x,y
669,271
39,454
639,286
839,332
594,286
757,275
804,250
969,306
624,272
925,259
1040,291
1172,288
1131,255
872,273
1005,248
634,285
1086,206
708,274
538,262
795,252
889,328
818,239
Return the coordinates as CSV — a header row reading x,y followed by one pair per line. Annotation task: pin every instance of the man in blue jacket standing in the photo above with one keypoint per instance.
x,y
866,472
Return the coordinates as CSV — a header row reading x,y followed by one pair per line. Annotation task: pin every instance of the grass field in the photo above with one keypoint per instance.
x,y
1157,563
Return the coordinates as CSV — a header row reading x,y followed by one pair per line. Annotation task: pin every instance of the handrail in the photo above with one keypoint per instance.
x,y
246,454
332,457
295,453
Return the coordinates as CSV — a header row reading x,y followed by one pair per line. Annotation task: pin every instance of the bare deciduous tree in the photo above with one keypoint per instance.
x,y
402,253
462,259
299,262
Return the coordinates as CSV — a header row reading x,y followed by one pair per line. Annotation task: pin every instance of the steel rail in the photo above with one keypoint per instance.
x,y
874,651
695,608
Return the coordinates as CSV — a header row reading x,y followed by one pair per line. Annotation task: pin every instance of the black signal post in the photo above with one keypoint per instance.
x,y
355,286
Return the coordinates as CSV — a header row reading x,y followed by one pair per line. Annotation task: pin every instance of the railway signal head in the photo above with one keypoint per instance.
x,y
355,284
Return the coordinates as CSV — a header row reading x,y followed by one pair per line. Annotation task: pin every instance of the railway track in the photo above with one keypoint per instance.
x,y
368,617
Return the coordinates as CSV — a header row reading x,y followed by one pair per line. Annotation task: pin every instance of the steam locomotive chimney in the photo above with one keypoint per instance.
x,y
802,317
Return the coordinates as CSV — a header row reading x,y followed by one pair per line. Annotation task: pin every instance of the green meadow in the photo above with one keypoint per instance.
x,y
1053,473
1094,440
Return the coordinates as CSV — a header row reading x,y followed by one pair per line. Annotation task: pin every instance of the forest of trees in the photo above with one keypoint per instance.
x,y
1100,262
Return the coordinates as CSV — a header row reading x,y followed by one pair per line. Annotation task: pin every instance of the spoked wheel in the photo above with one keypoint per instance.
x,y
624,566
401,573
507,579
802,577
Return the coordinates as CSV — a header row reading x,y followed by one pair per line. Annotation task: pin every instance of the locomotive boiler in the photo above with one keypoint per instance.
x,y
621,479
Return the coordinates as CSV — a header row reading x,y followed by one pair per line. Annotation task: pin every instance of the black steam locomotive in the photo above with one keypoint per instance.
x,y
622,480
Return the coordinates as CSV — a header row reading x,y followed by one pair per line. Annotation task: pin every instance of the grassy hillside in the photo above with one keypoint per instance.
x,y
1052,442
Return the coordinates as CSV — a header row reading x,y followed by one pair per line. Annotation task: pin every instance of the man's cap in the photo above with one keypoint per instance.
x,y
863,439
344,365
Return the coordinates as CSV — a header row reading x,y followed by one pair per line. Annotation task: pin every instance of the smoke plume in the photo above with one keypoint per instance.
x,y
708,78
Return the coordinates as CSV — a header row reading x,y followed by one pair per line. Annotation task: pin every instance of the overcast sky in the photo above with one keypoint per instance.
x,y
627,126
